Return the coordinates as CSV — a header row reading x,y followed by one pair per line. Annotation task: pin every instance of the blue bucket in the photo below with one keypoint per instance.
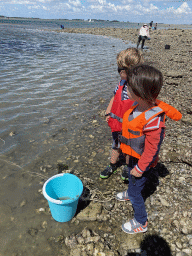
x,y
62,192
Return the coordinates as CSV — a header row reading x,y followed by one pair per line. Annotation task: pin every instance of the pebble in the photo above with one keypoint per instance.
x,y
23,203
163,201
12,134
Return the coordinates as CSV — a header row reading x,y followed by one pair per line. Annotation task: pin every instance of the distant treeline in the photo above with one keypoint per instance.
x,y
97,20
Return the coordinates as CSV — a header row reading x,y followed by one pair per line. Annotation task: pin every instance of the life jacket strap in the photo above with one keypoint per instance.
x,y
116,117
137,144
124,140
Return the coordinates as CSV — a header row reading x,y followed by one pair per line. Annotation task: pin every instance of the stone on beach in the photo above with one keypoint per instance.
x,y
90,212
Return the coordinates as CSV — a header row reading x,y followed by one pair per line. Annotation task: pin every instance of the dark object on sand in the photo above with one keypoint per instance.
x,y
167,46
62,167
62,27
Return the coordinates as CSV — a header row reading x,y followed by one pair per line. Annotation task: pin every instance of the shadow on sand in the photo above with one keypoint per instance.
x,y
153,245
153,180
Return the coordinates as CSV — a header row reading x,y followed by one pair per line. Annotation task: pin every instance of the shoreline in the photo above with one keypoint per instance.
x,y
69,24
27,226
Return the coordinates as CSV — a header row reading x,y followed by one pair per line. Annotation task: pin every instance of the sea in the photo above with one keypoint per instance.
x,y
48,79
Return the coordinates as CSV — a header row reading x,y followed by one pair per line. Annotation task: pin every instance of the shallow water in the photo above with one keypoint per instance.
x,y
49,79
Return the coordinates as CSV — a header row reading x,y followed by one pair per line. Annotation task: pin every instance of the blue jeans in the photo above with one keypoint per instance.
x,y
134,192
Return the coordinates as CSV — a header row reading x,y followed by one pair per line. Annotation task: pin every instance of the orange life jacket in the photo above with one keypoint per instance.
x,y
133,139
118,109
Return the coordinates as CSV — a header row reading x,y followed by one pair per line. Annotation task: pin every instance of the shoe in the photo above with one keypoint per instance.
x,y
122,196
124,175
133,227
108,171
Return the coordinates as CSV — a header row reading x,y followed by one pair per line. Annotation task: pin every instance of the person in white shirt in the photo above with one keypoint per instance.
x,y
143,35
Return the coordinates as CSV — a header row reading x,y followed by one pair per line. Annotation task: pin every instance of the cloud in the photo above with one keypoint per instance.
x,y
124,8
75,3
34,7
127,1
25,2
44,1
19,2
184,8
45,8
127,9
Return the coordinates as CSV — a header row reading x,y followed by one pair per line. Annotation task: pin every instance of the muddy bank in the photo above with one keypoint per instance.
x,y
27,227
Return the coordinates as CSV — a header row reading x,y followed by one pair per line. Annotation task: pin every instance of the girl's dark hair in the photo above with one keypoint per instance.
x,y
145,81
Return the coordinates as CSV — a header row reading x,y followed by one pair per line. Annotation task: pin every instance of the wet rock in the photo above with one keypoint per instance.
x,y
90,248
71,241
128,242
23,203
178,244
62,167
188,251
181,254
108,205
88,242
90,212
59,239
32,231
12,133
76,252
44,224
86,233
40,210
163,201
80,239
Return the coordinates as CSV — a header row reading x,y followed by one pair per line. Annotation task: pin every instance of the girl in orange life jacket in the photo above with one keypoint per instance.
x,y
118,105
142,134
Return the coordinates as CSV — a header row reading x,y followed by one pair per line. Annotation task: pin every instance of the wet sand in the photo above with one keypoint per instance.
x,y
27,227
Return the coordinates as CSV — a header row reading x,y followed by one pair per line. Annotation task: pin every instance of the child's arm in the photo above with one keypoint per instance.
x,y
154,135
108,110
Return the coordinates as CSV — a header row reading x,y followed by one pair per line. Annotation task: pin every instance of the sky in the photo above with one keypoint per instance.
x,y
167,12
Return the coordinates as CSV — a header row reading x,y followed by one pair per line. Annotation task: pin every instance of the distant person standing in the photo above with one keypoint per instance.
x,y
151,24
155,27
143,35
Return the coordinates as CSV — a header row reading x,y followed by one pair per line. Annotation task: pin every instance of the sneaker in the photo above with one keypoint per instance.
x,y
133,227
107,172
122,196
124,175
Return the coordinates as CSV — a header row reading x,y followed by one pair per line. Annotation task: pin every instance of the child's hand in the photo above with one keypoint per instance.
x,y
107,116
135,173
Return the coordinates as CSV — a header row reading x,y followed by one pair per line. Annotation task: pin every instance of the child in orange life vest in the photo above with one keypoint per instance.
x,y
120,103
142,134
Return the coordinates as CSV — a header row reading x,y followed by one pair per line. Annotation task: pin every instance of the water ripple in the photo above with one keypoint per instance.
x,y
44,74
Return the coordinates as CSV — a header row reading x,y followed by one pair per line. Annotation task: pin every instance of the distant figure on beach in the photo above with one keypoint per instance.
x,y
143,130
155,27
62,27
151,24
118,104
143,35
